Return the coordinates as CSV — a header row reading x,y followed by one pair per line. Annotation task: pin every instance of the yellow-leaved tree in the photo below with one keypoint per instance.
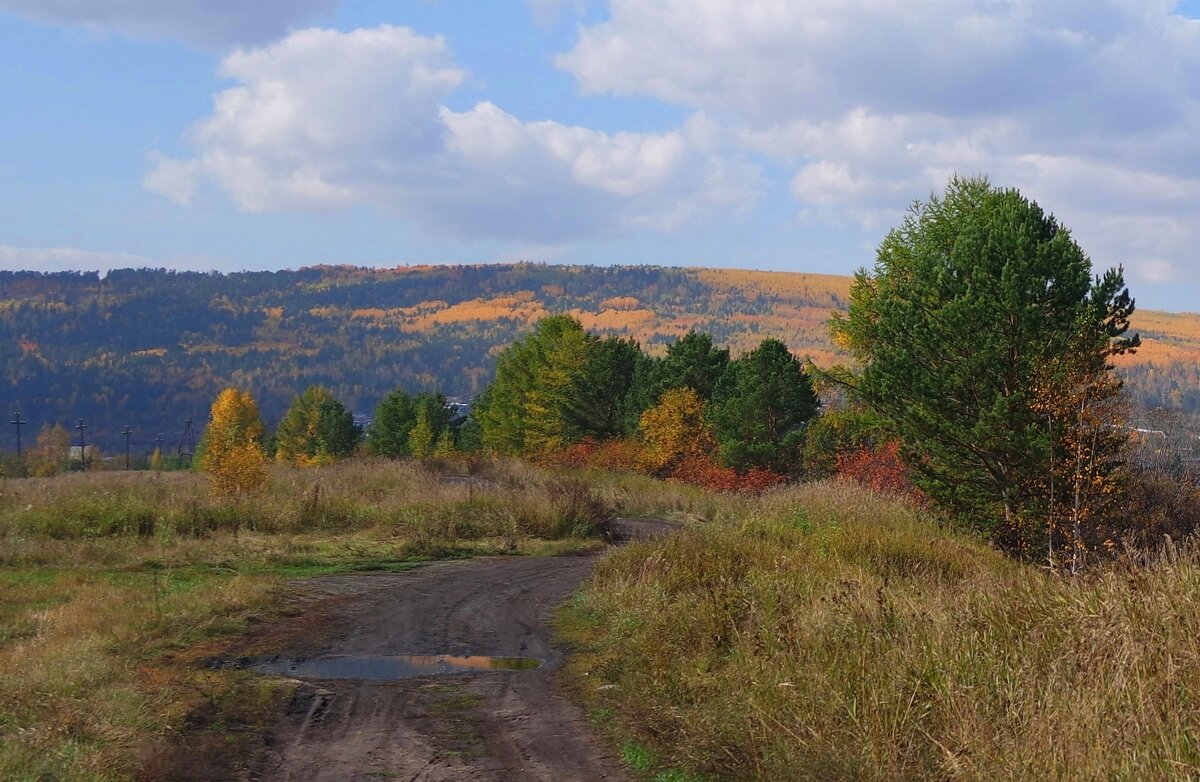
x,y
421,438
676,429
231,450
53,446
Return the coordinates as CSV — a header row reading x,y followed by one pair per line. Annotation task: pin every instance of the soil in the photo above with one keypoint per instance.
x,y
495,725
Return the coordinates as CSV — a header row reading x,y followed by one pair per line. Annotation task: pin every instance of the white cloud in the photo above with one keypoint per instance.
x,y
1158,271
773,59
206,22
56,259
1092,107
547,13
64,259
325,120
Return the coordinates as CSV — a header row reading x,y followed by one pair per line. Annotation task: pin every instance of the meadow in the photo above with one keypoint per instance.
x,y
817,631
825,632
117,590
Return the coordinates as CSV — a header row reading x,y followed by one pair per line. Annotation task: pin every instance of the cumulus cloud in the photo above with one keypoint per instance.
x,y
206,22
1093,108
325,120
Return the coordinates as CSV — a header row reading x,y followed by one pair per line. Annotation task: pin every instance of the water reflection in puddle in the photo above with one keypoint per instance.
x,y
381,668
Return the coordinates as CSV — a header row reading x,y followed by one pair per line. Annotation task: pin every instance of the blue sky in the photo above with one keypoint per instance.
x,y
781,134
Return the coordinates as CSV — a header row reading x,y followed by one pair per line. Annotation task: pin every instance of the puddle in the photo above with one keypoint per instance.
x,y
380,668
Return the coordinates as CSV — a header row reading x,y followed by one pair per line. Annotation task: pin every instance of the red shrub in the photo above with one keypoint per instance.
x,y
701,471
880,469
706,473
616,455
619,456
578,455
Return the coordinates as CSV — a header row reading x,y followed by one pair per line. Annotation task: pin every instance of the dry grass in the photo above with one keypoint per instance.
x,y
114,586
403,508
826,633
639,495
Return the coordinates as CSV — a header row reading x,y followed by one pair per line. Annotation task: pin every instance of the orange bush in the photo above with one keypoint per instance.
x,y
707,473
697,469
578,455
880,469
615,455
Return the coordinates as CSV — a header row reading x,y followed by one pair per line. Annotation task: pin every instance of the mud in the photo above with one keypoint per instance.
x,y
487,725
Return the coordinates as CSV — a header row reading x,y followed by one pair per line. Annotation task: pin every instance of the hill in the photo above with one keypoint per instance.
x,y
149,348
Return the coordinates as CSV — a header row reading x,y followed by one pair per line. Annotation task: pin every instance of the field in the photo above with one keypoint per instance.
x,y
115,589
819,631
826,633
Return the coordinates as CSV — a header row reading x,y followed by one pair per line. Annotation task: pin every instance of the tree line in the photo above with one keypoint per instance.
x,y
145,347
557,388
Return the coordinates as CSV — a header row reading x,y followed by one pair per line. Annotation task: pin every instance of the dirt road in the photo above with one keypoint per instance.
x,y
494,725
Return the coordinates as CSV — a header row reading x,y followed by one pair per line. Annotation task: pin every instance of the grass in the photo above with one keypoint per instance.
x,y
116,588
823,632
640,495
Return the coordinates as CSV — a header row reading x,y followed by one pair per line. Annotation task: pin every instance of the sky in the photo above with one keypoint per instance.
x,y
770,134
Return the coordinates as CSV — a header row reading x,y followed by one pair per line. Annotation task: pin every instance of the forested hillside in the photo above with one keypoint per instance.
x,y
149,348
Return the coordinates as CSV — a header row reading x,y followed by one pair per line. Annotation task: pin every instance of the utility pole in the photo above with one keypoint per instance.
x,y
18,422
158,441
82,446
126,431
188,439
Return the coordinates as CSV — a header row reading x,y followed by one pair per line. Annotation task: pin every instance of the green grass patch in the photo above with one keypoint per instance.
x,y
638,757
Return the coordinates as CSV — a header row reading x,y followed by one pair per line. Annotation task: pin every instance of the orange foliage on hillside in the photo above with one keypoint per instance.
x,y
619,321
522,307
748,282
620,303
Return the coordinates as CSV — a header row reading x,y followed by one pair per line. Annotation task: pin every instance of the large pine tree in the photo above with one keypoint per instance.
x,y
973,300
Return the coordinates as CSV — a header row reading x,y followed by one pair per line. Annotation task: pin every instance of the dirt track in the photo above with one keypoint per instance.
x,y
499,725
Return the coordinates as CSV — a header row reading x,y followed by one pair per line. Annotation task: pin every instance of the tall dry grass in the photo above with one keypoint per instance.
x,y
828,633
408,508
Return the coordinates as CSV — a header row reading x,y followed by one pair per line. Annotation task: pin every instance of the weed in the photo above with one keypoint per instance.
x,y
638,757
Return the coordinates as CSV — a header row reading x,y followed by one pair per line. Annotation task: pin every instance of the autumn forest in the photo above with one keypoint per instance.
x,y
150,348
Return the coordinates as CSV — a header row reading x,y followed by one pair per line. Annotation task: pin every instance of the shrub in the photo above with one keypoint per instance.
x,y
707,473
880,469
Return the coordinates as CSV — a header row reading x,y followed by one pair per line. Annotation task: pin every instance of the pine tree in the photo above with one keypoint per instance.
x,y
760,408
317,429
524,411
595,405
393,420
970,300
421,438
691,362
395,417
445,444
